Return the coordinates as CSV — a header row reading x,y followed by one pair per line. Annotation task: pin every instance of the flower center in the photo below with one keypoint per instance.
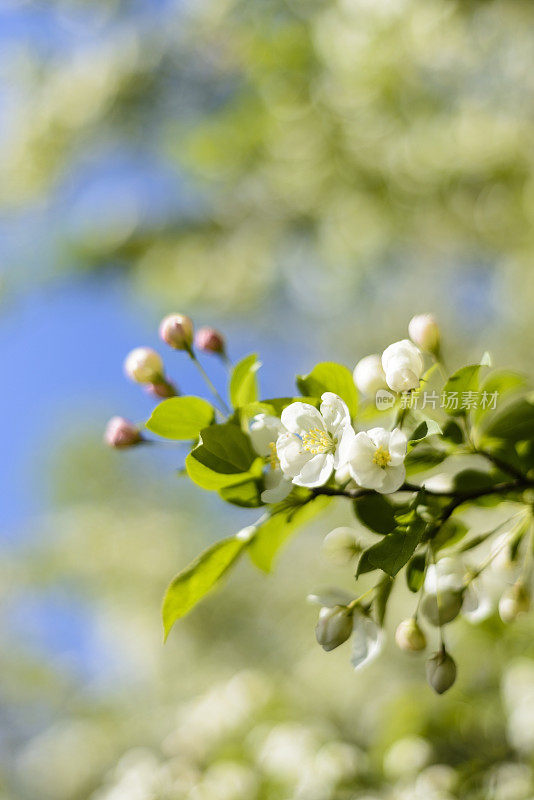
x,y
381,457
318,441
274,461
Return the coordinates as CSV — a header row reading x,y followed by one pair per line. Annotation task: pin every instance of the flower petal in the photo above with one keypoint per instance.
x,y
316,471
264,429
393,479
290,454
345,438
367,640
301,417
277,486
335,412
331,598
397,447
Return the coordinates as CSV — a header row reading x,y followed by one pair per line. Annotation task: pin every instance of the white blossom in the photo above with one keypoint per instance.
x,y
376,459
264,432
316,442
403,365
369,376
424,332
367,640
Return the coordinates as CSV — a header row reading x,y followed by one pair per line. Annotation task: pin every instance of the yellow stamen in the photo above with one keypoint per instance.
x,y
274,461
317,441
381,457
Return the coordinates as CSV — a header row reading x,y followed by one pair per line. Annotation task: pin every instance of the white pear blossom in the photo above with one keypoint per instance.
x,y
376,459
367,640
424,332
316,442
369,376
403,365
264,432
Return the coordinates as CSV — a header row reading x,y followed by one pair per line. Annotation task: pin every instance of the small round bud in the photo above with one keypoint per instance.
x,y
176,330
448,608
208,340
409,636
163,389
144,365
333,627
369,375
121,433
424,331
341,545
514,601
441,671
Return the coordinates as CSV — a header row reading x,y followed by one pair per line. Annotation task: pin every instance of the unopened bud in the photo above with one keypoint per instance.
x,y
120,432
341,545
424,331
176,330
441,671
208,340
144,365
333,627
514,601
369,375
162,389
442,607
409,636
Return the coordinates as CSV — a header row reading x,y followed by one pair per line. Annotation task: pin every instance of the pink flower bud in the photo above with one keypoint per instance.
x,y
144,365
163,389
120,432
208,340
176,330
423,330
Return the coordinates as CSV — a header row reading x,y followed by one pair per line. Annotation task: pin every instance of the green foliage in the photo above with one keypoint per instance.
x,y
396,548
244,381
415,572
275,531
376,513
223,458
463,381
514,423
330,377
181,417
196,580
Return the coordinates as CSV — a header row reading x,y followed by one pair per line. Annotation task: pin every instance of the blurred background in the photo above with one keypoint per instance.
x,y
305,175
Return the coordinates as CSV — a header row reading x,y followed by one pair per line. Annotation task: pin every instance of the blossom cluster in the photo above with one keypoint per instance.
x,y
293,455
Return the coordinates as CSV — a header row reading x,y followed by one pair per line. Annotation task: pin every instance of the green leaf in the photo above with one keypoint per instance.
x,y
223,458
270,536
464,381
246,494
468,480
181,417
376,513
394,550
501,384
423,457
244,381
380,602
415,572
513,423
196,580
451,532
330,377
428,427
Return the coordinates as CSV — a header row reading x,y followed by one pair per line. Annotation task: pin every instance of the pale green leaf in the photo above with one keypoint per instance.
x,y
196,580
330,377
181,417
244,381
